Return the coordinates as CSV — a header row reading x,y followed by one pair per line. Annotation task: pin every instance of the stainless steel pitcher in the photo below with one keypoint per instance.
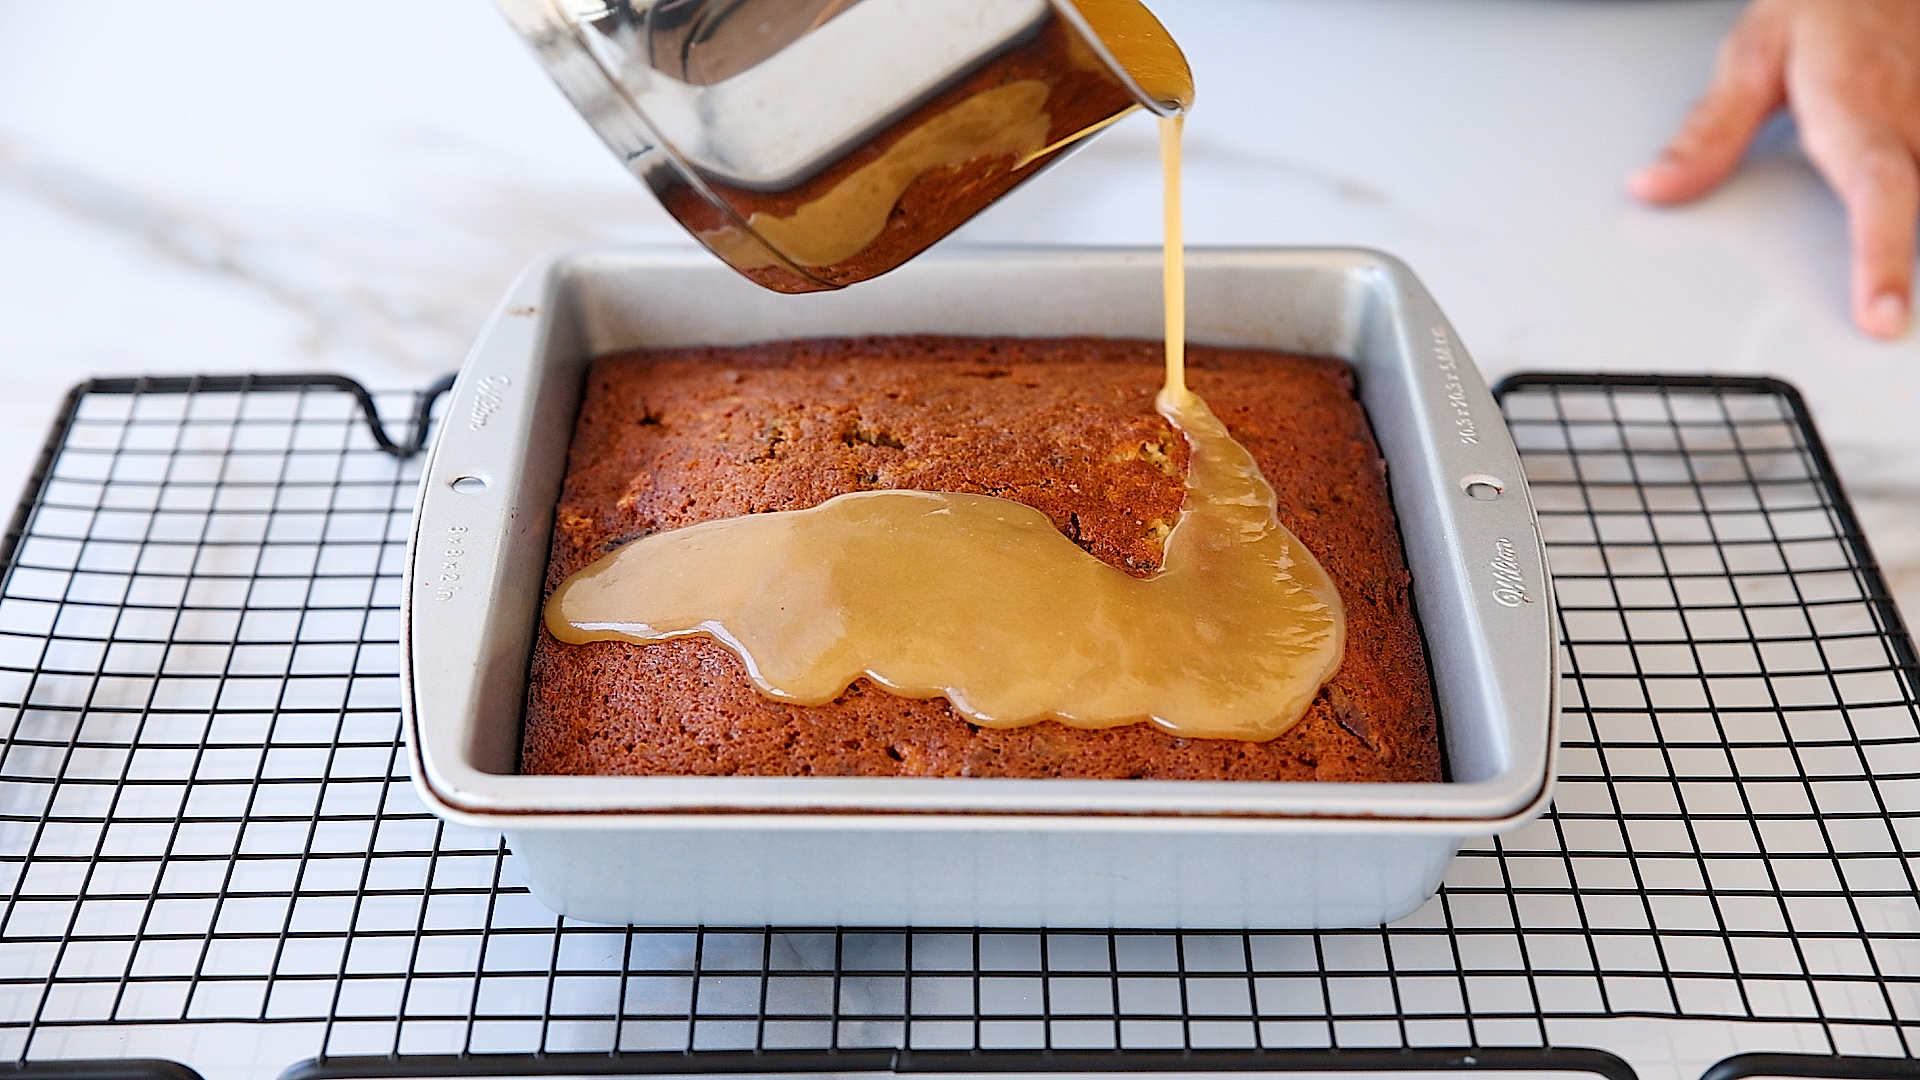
x,y
815,143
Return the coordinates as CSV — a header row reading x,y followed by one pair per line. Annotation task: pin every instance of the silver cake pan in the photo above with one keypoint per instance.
x,y
988,852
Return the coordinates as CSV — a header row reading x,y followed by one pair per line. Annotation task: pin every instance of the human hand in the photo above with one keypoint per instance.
x,y
1850,72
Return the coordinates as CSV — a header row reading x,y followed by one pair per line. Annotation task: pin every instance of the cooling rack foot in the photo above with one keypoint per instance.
x,y
101,1069
967,1062
1813,1066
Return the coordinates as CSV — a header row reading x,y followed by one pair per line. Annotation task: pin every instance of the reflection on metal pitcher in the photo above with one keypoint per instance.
x,y
816,143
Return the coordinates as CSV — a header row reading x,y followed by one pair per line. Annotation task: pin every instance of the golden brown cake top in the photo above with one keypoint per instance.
x,y
674,437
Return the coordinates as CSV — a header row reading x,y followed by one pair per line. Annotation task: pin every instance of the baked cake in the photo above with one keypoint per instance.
x,y
668,438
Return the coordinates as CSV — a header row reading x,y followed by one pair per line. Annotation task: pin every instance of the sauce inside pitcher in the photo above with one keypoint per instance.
x,y
812,144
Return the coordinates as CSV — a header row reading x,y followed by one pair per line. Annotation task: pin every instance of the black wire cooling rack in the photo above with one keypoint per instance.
x,y
211,854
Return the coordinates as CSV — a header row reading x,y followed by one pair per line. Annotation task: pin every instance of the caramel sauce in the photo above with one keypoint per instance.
x,y
1000,130
1008,121
981,600
1173,263
1143,47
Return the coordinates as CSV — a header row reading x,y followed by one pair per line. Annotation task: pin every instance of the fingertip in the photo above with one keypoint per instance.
x,y
1651,183
1887,315
1877,178
1670,180
1704,152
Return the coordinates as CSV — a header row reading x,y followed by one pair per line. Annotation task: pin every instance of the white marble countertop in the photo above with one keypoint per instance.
x,y
219,186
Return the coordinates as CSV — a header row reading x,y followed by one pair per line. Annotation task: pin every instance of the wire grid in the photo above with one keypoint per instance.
x,y
206,830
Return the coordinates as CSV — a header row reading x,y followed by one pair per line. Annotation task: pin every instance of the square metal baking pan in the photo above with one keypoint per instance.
x,y
987,852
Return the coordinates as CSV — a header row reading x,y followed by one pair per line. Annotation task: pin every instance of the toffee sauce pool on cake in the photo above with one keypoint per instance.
x,y
981,600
